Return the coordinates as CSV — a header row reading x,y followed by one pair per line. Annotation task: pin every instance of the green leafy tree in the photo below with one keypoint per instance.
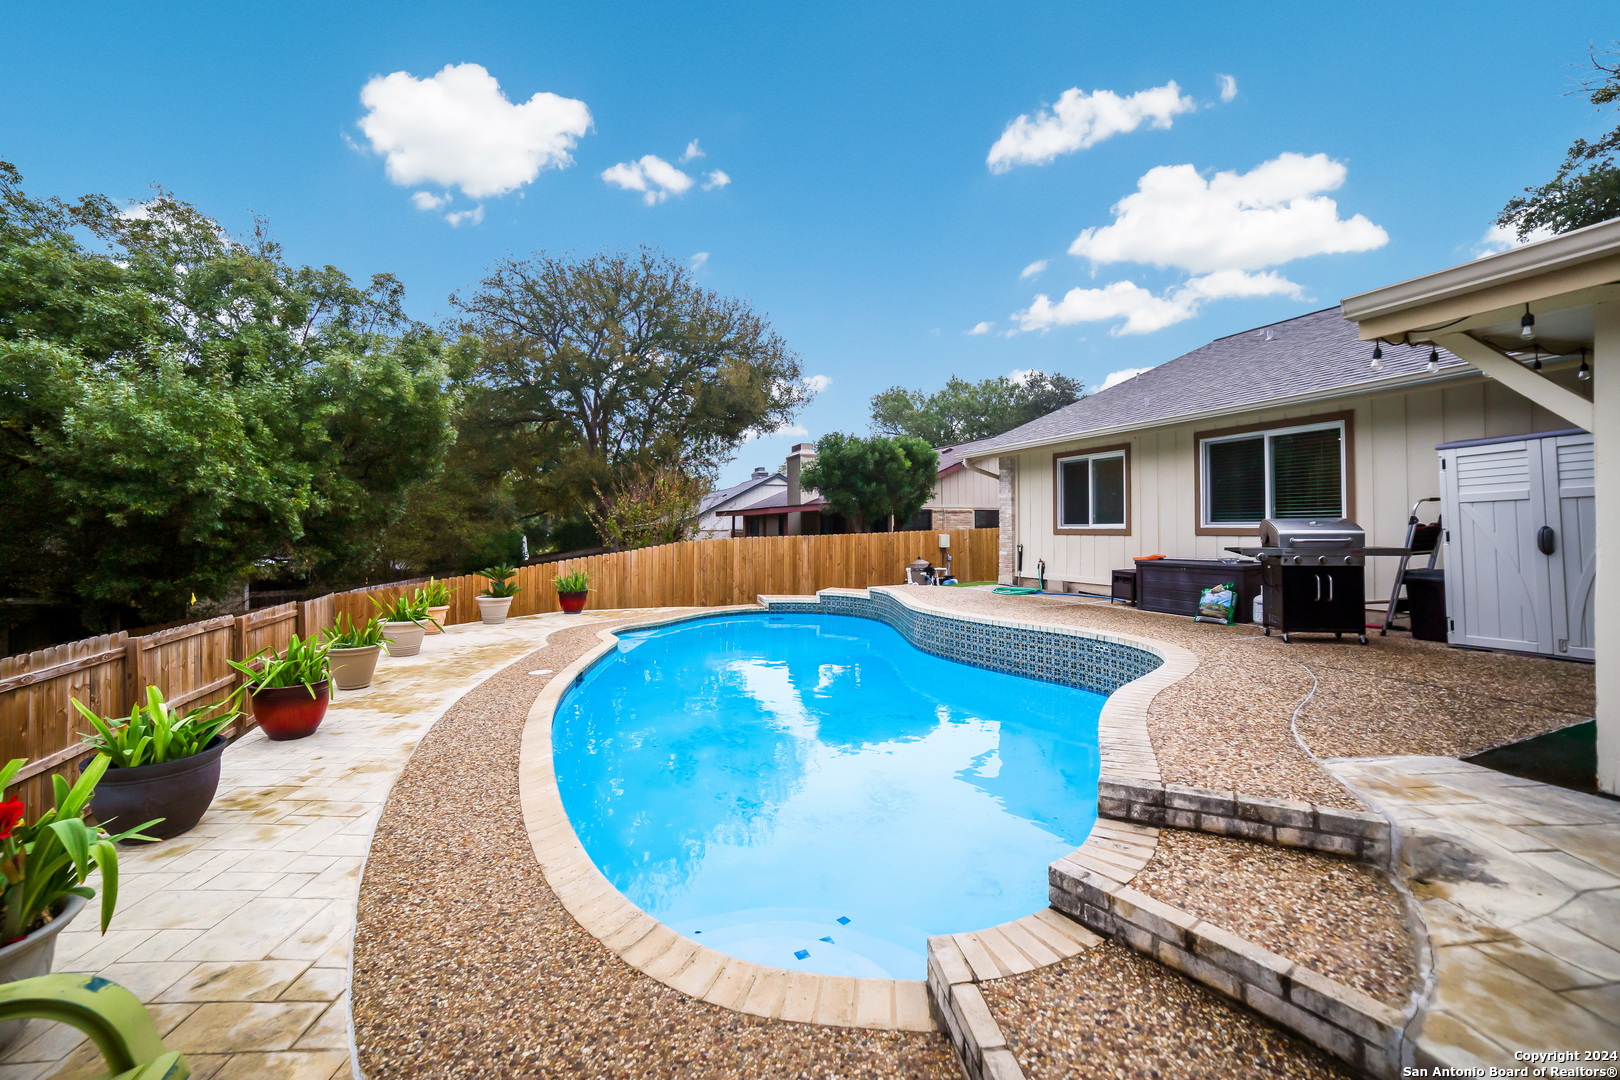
x,y
177,407
962,411
879,480
656,506
598,372
1586,189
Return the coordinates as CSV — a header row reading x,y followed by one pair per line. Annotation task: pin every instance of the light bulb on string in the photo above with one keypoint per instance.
x,y
1584,373
1527,325
1378,356
1434,361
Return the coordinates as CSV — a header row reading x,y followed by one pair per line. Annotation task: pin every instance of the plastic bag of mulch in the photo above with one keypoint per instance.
x,y
1218,604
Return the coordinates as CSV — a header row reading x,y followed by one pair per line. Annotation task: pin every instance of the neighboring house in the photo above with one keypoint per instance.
x,y
715,508
964,497
1286,420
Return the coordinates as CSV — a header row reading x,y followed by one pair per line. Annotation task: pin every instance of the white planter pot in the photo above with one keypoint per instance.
x,y
403,638
493,609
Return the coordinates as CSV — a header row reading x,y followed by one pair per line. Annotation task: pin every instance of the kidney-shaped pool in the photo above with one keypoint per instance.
x,y
812,792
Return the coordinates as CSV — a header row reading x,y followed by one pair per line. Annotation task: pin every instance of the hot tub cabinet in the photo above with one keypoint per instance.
x,y
1174,585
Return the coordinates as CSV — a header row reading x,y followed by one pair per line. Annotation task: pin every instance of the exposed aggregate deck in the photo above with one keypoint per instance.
x,y
466,965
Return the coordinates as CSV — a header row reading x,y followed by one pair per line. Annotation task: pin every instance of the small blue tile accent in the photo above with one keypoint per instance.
x,y
1083,662
802,954
843,920
828,940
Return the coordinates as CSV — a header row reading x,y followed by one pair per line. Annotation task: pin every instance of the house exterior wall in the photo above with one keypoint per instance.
x,y
713,524
1392,464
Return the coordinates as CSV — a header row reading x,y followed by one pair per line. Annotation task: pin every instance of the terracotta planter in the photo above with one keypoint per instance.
x,y
33,956
573,602
403,638
438,615
289,712
352,669
493,609
178,791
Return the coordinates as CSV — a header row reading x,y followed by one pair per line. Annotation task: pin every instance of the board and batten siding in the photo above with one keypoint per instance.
x,y
966,489
1393,436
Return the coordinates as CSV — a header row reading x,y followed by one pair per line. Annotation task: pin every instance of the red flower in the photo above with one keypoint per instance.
x,y
11,815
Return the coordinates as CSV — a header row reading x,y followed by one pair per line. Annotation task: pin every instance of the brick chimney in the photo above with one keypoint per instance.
x,y
759,473
801,455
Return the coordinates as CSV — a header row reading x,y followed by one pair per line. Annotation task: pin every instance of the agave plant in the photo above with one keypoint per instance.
x,y
302,663
153,733
345,633
577,582
45,861
500,581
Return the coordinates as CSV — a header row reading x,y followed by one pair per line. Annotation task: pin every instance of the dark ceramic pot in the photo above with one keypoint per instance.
x,y
288,712
178,791
573,602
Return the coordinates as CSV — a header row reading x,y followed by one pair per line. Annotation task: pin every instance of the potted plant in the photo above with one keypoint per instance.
x,y
436,595
352,651
403,619
288,693
572,589
44,866
495,601
162,765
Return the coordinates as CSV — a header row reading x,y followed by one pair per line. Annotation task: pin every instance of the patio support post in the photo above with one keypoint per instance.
x,y
1606,596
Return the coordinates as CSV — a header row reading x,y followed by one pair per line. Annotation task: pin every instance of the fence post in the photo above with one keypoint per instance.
x,y
134,677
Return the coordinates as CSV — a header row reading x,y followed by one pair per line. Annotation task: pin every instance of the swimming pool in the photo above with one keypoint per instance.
x,y
811,792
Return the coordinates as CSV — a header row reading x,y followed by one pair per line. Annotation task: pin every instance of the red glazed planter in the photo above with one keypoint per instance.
x,y
288,712
573,602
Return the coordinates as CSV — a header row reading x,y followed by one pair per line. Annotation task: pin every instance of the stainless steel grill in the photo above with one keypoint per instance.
x,y
1313,541
1313,575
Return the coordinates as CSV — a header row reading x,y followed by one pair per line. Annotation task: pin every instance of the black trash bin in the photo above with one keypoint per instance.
x,y
1426,604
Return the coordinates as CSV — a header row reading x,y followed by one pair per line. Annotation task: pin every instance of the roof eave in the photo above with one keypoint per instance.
x,y
1397,382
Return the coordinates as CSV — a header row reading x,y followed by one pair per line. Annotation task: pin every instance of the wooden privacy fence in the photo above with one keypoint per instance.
x,y
189,663
110,673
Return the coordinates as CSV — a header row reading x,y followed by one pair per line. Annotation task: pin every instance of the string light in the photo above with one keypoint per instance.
x,y
1527,325
1434,360
1585,371
1378,356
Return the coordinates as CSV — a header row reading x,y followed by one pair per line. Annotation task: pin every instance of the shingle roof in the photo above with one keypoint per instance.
x,y
1308,354
952,456
715,498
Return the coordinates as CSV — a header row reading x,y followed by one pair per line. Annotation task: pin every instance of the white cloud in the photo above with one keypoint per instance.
x,y
426,200
1034,269
699,260
817,383
792,431
1500,238
1114,378
654,177
1143,311
466,217
458,129
1233,221
1020,376
1079,120
693,150
980,328
1228,87
716,179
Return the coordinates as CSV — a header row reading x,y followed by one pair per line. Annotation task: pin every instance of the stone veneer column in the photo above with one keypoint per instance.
x,y
1007,566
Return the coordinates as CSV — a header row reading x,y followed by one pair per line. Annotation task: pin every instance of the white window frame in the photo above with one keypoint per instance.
x,y
1091,488
1268,434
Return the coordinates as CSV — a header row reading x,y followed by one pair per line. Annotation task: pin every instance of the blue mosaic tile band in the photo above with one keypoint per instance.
x,y
1083,662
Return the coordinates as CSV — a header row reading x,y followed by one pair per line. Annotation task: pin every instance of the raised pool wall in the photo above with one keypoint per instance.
x,y
1086,661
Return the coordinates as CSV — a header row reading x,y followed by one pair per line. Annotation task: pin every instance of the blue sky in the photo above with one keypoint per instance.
x,y
862,212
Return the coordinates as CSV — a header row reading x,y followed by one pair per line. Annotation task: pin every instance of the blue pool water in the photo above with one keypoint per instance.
x,y
812,792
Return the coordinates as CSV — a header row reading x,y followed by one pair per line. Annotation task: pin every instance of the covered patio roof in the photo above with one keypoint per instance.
x,y
1544,321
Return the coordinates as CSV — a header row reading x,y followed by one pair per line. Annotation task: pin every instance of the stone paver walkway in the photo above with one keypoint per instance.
x,y
1519,885
237,934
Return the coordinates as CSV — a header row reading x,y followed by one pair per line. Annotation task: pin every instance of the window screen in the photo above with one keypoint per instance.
x,y
1108,491
1076,488
1305,474
1237,480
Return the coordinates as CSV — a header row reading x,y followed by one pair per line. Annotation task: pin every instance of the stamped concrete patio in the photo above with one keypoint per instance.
x,y
238,933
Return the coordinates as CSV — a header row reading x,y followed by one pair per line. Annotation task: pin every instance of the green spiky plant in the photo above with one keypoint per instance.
x,y
577,582
345,633
405,609
500,581
302,663
51,858
153,733
435,593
